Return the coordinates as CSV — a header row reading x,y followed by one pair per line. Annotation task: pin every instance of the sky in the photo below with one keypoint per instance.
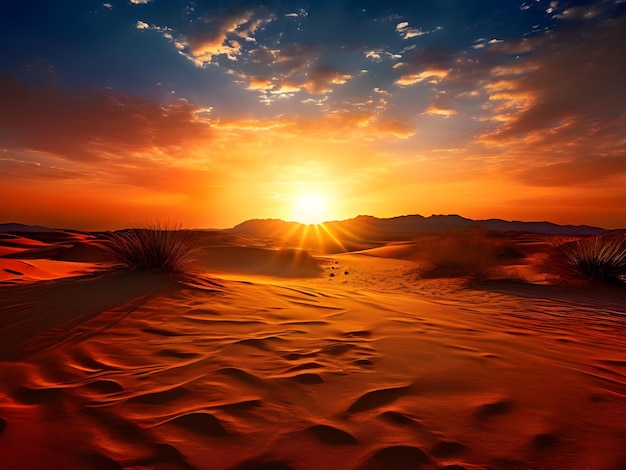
x,y
209,113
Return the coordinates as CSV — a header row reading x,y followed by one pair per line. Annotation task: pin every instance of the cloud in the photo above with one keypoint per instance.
x,y
289,70
322,78
559,109
482,43
408,33
377,55
211,36
29,165
222,33
576,172
109,157
426,65
87,126
140,2
374,55
514,47
551,80
112,140
168,34
346,126
581,13
294,57
432,75
300,14
539,106
263,55
438,110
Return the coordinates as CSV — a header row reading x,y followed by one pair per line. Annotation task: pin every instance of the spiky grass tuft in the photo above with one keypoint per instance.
x,y
154,246
601,258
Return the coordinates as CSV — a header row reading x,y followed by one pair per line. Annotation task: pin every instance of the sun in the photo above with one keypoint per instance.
x,y
310,208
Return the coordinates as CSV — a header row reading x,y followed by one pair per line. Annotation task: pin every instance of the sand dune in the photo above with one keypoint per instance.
x,y
263,360
262,261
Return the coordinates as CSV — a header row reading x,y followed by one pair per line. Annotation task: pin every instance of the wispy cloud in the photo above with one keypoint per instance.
x,y
378,55
291,69
407,32
581,12
582,171
321,79
427,64
301,13
218,34
538,99
439,110
110,138
528,95
91,126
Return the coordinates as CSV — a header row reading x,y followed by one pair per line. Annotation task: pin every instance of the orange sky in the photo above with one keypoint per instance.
x,y
127,160
522,128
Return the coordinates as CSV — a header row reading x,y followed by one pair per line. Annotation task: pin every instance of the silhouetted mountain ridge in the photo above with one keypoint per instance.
x,y
381,228
15,227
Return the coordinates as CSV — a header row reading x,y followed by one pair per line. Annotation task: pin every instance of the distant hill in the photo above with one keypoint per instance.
x,y
352,233
14,227
369,228
411,223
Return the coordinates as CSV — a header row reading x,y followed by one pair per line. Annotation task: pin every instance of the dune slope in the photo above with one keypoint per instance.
x,y
309,373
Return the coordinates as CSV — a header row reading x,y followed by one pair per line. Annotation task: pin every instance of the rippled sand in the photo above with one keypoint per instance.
x,y
367,369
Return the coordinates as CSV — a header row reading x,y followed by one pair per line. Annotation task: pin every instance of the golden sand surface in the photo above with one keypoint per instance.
x,y
283,359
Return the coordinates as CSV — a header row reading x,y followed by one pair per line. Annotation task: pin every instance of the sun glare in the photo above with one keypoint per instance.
x,y
310,208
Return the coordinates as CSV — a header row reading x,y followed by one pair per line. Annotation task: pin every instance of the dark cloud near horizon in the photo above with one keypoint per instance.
x,y
573,74
577,172
561,109
84,125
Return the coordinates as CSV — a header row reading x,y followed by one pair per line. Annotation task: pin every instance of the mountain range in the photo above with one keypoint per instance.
x,y
15,227
373,225
361,232
412,223
366,231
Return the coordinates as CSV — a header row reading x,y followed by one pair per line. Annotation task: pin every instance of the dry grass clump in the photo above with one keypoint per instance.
x,y
154,246
459,253
601,258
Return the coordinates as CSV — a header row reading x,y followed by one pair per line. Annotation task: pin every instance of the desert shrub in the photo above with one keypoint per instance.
x,y
507,249
461,253
601,258
154,246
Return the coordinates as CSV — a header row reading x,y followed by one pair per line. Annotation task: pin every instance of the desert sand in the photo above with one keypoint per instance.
x,y
270,357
